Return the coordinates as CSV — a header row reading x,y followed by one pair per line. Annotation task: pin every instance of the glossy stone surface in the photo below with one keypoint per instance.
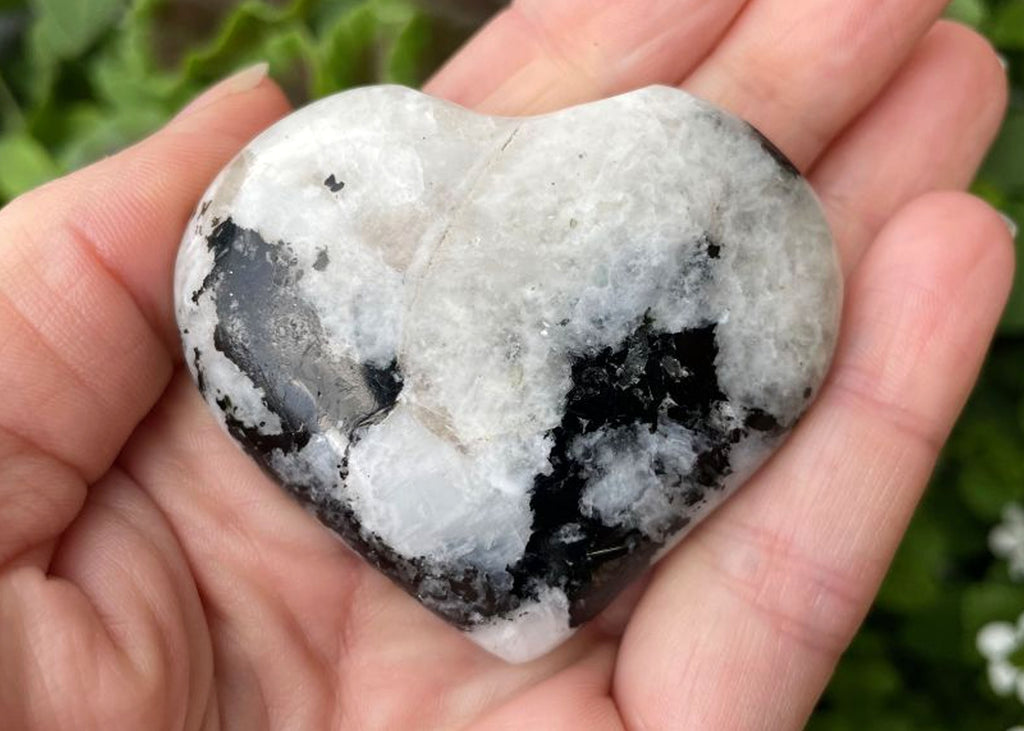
x,y
509,361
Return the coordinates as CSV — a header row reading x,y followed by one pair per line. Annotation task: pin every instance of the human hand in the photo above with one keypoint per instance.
x,y
152,577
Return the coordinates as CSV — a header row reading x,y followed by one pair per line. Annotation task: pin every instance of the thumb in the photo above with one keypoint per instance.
x,y
86,317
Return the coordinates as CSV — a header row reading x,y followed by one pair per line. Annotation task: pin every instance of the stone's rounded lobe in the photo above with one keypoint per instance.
x,y
509,361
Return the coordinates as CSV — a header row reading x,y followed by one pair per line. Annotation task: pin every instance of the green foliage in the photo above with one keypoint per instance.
x,y
972,12
65,29
83,78
80,79
26,164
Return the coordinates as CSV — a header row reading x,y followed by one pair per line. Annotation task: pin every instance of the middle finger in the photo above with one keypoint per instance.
x,y
541,55
800,72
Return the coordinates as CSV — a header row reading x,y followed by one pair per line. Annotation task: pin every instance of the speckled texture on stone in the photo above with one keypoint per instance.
x,y
509,361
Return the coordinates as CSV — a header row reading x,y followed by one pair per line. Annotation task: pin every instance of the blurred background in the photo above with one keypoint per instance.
x,y
79,79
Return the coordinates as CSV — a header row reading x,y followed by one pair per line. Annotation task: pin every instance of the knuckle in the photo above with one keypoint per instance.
x,y
809,601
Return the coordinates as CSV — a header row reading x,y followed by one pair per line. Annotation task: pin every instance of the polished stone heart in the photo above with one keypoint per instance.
x,y
509,361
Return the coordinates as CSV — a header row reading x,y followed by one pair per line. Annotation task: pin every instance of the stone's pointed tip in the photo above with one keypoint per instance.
x,y
532,632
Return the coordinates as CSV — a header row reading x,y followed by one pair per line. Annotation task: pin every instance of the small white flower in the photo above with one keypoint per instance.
x,y
996,642
1007,540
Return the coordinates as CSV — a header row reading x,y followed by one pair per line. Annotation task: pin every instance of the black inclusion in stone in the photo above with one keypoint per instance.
x,y
759,420
652,380
384,383
652,377
197,363
712,247
275,338
778,155
257,441
277,341
333,184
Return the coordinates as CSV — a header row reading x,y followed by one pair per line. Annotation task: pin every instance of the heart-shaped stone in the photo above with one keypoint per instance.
x,y
509,361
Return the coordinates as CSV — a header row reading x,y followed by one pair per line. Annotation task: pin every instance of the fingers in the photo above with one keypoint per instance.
x,y
541,55
39,496
766,594
277,589
574,698
298,611
86,324
800,72
85,336
117,625
928,130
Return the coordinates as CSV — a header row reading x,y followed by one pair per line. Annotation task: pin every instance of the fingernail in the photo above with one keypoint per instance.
x,y
245,80
1004,62
1010,224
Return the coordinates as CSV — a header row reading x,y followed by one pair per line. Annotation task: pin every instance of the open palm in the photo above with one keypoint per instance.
x,y
152,577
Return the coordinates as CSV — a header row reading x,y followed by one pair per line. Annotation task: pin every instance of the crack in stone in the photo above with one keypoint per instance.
x,y
453,215
456,210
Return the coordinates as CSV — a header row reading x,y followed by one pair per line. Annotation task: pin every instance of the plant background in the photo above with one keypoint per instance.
x,y
80,79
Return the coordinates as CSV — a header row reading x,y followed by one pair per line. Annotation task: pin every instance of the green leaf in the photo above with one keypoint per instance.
x,y
377,41
409,43
1005,26
11,116
868,673
393,12
63,30
989,602
128,71
840,721
66,28
469,13
410,58
322,15
96,133
347,51
987,487
988,447
123,79
24,164
943,619
915,577
1003,169
241,40
971,12
292,58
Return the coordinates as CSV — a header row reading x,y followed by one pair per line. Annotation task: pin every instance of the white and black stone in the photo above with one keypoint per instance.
x,y
509,361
